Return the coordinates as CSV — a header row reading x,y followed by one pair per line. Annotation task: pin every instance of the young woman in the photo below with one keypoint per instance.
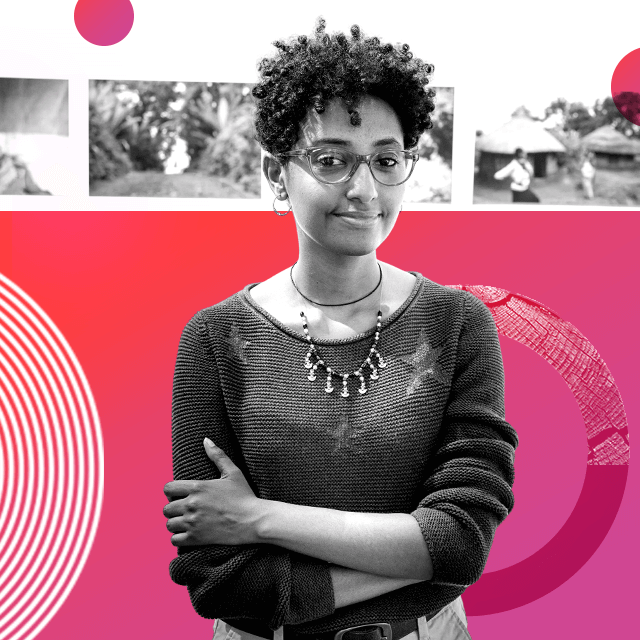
x,y
356,460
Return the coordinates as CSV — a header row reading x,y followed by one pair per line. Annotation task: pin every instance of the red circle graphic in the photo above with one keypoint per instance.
x,y
625,86
103,22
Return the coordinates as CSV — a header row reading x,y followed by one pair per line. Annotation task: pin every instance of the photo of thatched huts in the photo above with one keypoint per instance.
x,y
570,154
35,155
496,149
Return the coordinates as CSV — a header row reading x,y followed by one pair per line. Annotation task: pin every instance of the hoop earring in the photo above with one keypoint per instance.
x,y
279,213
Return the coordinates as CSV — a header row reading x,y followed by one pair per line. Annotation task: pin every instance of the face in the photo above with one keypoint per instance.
x,y
351,218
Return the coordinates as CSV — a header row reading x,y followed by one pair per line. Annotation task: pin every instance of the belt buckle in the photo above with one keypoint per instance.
x,y
385,627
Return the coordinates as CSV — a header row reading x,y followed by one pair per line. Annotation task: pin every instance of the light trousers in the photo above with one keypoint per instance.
x,y
450,623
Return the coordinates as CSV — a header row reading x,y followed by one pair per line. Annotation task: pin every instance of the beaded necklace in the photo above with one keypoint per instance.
x,y
374,360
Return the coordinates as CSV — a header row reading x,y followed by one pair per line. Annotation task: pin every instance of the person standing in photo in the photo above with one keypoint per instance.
x,y
588,172
341,455
521,173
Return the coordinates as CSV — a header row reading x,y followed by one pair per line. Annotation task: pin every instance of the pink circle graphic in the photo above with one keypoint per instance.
x,y
598,398
51,466
103,22
625,86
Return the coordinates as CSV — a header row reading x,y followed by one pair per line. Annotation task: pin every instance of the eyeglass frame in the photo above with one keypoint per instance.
x,y
360,159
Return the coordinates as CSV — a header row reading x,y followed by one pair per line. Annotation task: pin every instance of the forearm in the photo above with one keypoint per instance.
x,y
388,545
503,173
351,586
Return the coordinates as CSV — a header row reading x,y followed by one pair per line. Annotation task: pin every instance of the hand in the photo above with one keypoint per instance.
x,y
222,511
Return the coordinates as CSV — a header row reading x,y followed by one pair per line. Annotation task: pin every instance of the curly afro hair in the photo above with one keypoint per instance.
x,y
307,72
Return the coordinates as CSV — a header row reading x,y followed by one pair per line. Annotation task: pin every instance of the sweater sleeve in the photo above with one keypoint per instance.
x,y
467,492
261,582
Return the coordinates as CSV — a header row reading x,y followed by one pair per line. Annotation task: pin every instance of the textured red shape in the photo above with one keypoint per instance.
x,y
103,22
595,391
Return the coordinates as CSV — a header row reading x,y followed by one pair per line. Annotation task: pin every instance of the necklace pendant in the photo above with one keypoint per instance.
x,y
311,377
345,392
307,361
374,374
329,386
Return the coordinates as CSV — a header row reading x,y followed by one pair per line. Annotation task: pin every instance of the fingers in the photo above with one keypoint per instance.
x,y
182,528
174,509
177,525
179,489
183,534
219,458
182,540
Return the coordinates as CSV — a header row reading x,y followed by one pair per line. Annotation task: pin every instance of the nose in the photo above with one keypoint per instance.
x,y
362,186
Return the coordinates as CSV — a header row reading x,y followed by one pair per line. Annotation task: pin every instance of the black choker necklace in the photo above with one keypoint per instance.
x,y
340,304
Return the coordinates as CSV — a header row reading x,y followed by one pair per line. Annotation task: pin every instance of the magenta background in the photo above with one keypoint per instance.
x,y
120,286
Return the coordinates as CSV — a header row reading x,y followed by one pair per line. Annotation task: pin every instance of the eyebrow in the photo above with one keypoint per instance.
x,y
384,142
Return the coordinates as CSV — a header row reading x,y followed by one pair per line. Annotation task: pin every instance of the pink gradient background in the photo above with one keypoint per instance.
x,y
120,286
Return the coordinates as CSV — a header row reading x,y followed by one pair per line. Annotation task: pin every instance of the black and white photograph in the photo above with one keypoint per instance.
x,y
34,137
431,177
570,153
172,140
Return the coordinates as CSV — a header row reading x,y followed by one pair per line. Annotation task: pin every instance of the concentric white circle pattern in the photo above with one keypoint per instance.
x,y
51,466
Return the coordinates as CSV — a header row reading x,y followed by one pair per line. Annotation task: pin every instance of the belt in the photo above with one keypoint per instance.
x,y
373,631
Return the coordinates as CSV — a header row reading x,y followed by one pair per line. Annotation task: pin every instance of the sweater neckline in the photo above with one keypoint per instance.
x,y
247,298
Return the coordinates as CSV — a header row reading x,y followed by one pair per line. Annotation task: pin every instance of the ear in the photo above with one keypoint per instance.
x,y
275,175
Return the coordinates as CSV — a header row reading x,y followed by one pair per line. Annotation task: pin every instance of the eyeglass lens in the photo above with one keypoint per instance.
x,y
389,167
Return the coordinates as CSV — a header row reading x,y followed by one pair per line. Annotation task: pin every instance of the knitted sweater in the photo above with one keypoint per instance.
x,y
428,438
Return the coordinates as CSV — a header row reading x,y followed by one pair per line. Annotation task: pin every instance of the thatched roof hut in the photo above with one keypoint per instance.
x,y
611,147
497,148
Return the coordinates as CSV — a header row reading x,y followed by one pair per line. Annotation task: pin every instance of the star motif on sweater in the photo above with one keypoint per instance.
x,y
237,345
424,362
343,433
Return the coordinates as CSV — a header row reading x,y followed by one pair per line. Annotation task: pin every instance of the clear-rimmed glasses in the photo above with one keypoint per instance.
x,y
390,167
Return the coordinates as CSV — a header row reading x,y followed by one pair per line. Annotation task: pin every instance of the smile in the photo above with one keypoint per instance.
x,y
359,219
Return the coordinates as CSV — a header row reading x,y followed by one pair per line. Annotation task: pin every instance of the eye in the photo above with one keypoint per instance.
x,y
387,159
328,158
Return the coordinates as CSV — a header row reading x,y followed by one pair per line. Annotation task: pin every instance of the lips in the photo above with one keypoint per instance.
x,y
359,219
358,215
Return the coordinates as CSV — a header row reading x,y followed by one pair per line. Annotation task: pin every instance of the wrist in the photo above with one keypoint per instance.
x,y
264,521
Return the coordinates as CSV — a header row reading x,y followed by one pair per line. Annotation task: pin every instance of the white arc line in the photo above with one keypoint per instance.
x,y
51,466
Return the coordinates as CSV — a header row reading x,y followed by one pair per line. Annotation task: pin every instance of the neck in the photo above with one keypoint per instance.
x,y
337,280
